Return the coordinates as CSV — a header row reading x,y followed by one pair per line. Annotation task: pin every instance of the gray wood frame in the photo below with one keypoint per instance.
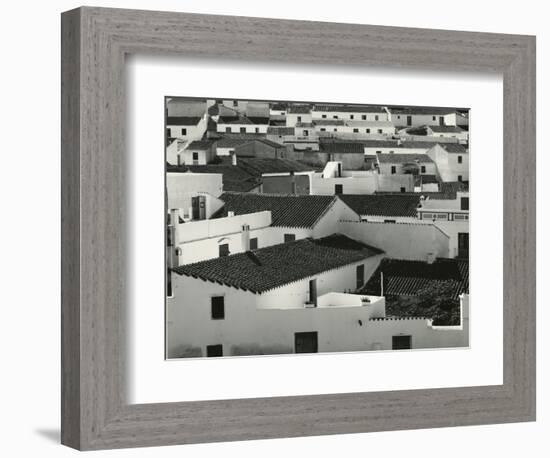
x,y
95,413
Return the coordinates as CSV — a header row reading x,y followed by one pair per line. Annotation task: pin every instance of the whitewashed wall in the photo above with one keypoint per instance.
x,y
400,240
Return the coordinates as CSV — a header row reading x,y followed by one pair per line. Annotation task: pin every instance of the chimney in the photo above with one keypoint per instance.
x,y
430,258
233,158
230,213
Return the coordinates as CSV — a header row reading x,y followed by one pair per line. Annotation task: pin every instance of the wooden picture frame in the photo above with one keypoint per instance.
x,y
95,412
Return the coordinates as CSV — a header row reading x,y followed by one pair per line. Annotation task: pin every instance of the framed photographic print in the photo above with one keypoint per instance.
x,y
268,228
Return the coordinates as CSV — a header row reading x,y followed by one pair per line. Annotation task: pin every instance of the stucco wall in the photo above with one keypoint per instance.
x,y
181,186
400,240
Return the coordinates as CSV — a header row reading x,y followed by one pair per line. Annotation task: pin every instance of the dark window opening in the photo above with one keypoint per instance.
x,y
224,249
184,131
355,131
401,342
360,276
459,178
313,292
364,117
305,342
195,156
422,169
393,169
243,130
464,203
338,189
254,243
213,351
228,130
391,221
217,307
402,189
459,159
290,237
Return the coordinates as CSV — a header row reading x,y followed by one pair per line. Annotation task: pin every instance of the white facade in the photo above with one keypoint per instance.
x,y
188,132
413,119
194,156
450,166
418,241
461,137
374,116
398,168
267,323
294,118
357,181
182,187
241,128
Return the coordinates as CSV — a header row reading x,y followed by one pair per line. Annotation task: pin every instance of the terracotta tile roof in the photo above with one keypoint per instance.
x,y
299,109
406,278
422,110
286,210
397,158
200,144
182,120
329,122
399,204
258,166
342,147
455,148
350,108
278,265
280,130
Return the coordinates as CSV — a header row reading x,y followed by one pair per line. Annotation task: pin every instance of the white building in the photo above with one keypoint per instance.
x,y
415,164
298,114
456,132
336,180
451,213
452,161
290,298
194,195
186,128
198,152
296,216
242,125
426,116
373,147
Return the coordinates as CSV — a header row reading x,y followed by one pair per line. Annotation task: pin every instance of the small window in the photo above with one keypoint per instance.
x,y
433,118
379,152
459,178
422,169
228,130
306,133
323,129
379,131
376,117
324,116
257,130
243,130
351,116
402,189
213,351
367,131
364,117
169,292
184,131
335,129
392,151
355,131
218,307
290,237
393,170
235,103
254,243
223,249
299,118
459,158
335,117
464,203
195,156
401,342
338,189
391,221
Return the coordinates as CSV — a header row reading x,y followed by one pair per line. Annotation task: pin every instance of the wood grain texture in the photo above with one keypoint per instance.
x,y
95,412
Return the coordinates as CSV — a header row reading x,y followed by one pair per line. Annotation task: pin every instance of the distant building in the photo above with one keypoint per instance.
x,y
243,125
460,134
426,116
415,164
350,112
452,161
198,152
298,114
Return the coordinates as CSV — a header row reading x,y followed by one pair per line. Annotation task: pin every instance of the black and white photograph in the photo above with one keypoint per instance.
x,y
309,227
